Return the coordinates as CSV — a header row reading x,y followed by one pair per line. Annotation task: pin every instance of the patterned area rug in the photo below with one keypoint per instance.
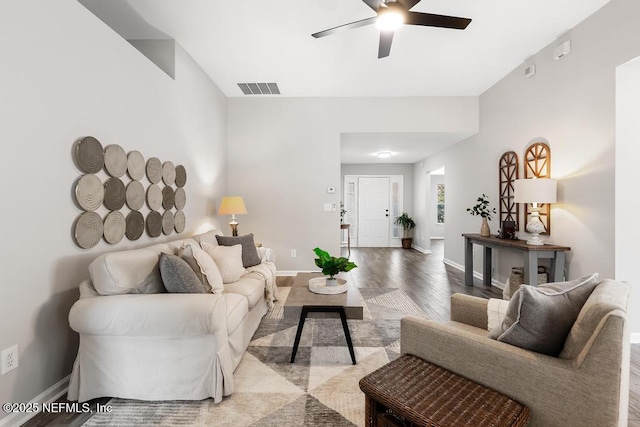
x,y
319,389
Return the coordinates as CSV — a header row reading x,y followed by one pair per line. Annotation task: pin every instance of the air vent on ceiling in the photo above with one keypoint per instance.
x,y
259,88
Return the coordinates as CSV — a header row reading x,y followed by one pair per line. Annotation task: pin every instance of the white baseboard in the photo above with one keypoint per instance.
x,y
635,338
437,238
423,250
49,395
286,273
476,274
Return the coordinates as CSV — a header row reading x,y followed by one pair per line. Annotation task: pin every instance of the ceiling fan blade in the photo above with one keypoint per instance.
x,y
408,4
431,20
386,37
349,26
373,4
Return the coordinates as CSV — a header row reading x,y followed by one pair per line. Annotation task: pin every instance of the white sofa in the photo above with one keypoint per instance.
x,y
139,342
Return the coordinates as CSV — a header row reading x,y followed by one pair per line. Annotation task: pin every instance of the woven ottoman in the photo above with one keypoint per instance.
x,y
412,392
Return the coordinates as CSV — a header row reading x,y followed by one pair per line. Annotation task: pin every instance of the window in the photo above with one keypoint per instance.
x,y
440,204
395,209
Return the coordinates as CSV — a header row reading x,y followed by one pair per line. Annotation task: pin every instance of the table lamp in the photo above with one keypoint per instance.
x,y
232,205
534,191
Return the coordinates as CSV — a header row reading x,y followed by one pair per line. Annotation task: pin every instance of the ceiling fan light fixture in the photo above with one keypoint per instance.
x,y
384,154
389,19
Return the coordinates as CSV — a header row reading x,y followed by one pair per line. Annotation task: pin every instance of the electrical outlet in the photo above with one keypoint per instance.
x,y
9,359
293,253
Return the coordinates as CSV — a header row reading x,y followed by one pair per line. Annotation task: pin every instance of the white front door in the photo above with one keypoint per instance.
x,y
373,212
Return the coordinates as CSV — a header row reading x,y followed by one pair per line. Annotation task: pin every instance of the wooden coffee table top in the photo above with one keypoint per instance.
x,y
300,295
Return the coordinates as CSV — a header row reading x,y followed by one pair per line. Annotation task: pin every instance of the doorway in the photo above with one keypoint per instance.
x,y
373,208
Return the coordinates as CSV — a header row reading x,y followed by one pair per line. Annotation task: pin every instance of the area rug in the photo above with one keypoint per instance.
x,y
319,389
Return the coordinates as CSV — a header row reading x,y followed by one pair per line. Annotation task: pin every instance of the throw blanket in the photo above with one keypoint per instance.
x,y
268,271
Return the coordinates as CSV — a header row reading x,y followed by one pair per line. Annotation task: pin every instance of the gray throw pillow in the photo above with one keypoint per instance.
x,y
178,277
250,255
539,318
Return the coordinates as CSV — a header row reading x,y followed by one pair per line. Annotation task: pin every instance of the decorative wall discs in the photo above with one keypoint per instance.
x,y
114,227
180,197
154,197
89,155
168,198
154,170
88,230
135,195
135,165
168,173
89,192
179,221
154,224
167,222
135,225
115,160
181,176
114,194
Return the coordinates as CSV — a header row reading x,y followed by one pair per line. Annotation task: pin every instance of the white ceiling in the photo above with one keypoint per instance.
x,y
270,41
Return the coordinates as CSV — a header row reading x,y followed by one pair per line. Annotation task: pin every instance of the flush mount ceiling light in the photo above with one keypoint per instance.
x,y
390,18
384,154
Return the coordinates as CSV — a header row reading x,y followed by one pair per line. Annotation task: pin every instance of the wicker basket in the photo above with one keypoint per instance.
x,y
517,278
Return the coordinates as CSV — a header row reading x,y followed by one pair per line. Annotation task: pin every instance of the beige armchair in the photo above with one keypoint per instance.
x,y
587,385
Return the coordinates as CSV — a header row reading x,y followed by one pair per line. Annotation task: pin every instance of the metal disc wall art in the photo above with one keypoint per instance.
x,y
135,165
168,198
180,198
154,224
114,194
89,155
154,170
135,195
88,230
114,227
134,226
181,176
168,222
179,221
115,160
89,192
168,173
154,197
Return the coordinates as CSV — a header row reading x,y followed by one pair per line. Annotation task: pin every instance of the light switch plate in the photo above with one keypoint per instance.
x,y
327,207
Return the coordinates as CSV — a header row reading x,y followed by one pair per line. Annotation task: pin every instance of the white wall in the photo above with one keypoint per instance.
x,y
437,230
285,152
627,179
570,103
64,75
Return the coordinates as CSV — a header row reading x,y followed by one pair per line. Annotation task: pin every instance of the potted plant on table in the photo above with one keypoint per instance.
x,y
407,224
332,265
482,209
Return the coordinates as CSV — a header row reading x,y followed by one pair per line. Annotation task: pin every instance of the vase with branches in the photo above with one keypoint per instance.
x,y
482,209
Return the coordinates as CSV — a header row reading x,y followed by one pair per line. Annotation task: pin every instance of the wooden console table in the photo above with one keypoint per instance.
x,y
531,255
345,226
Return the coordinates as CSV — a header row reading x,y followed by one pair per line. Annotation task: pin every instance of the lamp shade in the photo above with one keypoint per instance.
x,y
232,205
536,190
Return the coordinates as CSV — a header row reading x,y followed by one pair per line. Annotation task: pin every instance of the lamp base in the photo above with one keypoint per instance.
x,y
234,227
535,240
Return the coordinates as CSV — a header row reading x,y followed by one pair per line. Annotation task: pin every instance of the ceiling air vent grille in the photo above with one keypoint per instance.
x,y
259,88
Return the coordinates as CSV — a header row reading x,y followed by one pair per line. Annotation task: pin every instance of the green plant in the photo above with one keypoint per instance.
x,y
406,222
482,208
332,265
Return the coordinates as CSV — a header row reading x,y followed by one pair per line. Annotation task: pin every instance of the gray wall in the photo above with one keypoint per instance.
x,y
285,152
570,103
66,75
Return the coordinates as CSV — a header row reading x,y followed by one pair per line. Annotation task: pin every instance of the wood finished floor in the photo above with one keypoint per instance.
x,y
427,280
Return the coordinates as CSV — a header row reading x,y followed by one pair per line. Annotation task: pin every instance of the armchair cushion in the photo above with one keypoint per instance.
x,y
540,318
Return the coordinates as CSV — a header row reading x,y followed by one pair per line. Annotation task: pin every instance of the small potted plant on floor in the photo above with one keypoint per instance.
x,y
482,209
407,224
331,265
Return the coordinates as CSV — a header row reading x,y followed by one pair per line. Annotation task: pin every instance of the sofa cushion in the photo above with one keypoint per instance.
x,y
540,318
250,255
203,265
128,272
237,309
208,237
228,259
250,286
178,277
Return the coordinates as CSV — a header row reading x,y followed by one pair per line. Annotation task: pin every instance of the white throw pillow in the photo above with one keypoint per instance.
x,y
496,310
207,266
228,259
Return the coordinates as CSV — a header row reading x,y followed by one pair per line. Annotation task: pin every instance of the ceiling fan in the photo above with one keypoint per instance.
x,y
391,14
